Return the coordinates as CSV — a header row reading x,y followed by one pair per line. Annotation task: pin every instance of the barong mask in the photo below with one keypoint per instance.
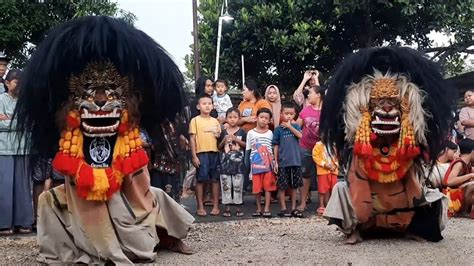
x,y
89,147
383,129
100,95
89,89
389,103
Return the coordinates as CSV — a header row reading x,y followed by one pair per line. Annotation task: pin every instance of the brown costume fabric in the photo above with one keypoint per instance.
x,y
121,230
360,203
371,198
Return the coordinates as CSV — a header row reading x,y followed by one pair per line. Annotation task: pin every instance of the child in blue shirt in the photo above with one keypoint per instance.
x,y
287,158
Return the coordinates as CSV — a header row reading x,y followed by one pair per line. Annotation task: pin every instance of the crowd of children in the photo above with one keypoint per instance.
x,y
264,140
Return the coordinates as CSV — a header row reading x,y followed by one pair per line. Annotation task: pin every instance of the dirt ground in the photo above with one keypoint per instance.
x,y
291,241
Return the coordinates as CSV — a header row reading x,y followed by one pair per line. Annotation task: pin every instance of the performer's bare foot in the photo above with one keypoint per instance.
x,y
181,247
353,238
176,245
172,243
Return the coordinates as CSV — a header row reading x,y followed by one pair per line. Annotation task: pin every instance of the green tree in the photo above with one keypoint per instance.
x,y
23,24
282,38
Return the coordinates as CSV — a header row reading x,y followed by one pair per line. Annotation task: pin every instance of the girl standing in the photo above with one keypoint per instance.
x,y
15,187
231,164
272,95
309,121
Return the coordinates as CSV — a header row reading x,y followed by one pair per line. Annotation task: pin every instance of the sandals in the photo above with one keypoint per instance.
x,y
201,213
297,213
226,214
256,214
284,213
6,232
239,213
320,210
24,230
267,215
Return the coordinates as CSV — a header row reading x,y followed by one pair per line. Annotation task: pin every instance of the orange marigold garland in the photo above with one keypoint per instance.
x,y
99,183
362,145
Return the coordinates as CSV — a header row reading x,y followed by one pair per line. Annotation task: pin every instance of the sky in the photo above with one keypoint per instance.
x,y
169,22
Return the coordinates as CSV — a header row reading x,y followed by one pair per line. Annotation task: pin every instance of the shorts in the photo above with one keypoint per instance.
x,y
263,182
207,170
326,183
289,177
308,167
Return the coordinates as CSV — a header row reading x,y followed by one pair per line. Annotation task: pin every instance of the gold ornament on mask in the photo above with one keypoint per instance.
x,y
384,88
96,75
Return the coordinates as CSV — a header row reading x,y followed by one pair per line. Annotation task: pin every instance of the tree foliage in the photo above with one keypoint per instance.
x,y
282,38
23,24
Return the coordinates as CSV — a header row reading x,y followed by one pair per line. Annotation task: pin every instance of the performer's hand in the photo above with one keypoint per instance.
x,y
196,162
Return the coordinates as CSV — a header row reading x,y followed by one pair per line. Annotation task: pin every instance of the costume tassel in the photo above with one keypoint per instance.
x,y
127,167
84,180
135,161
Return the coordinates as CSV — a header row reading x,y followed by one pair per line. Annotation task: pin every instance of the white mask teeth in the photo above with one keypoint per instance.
x,y
92,135
92,129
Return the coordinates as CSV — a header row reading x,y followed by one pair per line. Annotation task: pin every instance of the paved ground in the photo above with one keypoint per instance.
x,y
219,240
291,241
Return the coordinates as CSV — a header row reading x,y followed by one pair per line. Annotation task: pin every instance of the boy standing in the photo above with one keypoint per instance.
x,y
259,143
287,158
204,131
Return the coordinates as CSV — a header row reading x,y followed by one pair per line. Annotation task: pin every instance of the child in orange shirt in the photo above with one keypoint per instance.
x,y
327,171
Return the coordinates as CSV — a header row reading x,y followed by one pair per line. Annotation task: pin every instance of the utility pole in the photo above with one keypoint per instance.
x,y
197,65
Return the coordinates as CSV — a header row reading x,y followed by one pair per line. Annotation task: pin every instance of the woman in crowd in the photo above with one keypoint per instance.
x,y
16,206
272,95
251,103
310,78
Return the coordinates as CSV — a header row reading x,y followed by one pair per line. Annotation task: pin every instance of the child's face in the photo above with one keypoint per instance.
x,y
11,85
469,98
208,87
313,96
221,88
263,119
288,114
232,119
205,105
272,94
